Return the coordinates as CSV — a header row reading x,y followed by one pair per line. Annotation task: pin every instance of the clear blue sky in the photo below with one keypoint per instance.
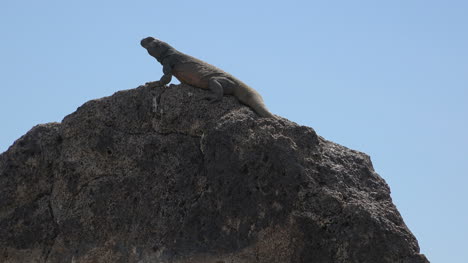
x,y
389,78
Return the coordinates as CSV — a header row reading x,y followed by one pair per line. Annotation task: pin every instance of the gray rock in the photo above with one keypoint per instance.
x,y
162,176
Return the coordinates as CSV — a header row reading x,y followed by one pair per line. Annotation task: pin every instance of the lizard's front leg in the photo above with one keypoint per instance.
x,y
165,79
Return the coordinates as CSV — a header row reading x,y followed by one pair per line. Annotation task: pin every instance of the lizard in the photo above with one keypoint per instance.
x,y
199,74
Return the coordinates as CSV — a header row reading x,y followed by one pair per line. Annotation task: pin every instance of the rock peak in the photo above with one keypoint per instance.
x,y
159,175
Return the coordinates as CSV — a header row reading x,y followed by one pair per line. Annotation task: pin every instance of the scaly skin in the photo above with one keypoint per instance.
x,y
197,73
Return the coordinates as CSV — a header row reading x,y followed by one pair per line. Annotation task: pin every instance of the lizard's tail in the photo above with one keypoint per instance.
x,y
255,101
261,110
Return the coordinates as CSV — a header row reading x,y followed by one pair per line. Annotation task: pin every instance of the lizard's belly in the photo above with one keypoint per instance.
x,y
194,74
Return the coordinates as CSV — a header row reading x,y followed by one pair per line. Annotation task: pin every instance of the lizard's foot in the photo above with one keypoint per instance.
x,y
153,84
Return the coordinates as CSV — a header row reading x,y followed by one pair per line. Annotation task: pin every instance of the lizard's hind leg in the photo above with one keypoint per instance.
x,y
216,88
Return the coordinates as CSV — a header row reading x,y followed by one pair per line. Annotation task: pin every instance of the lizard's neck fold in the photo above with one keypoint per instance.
x,y
169,52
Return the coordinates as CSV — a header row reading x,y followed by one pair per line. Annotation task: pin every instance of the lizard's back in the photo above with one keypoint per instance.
x,y
196,72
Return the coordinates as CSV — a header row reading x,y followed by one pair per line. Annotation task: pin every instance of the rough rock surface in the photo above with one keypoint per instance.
x,y
162,176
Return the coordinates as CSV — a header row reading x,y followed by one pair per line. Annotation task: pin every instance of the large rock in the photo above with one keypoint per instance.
x,y
163,176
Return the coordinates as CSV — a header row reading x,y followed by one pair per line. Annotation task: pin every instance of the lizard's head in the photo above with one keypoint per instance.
x,y
147,42
155,47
